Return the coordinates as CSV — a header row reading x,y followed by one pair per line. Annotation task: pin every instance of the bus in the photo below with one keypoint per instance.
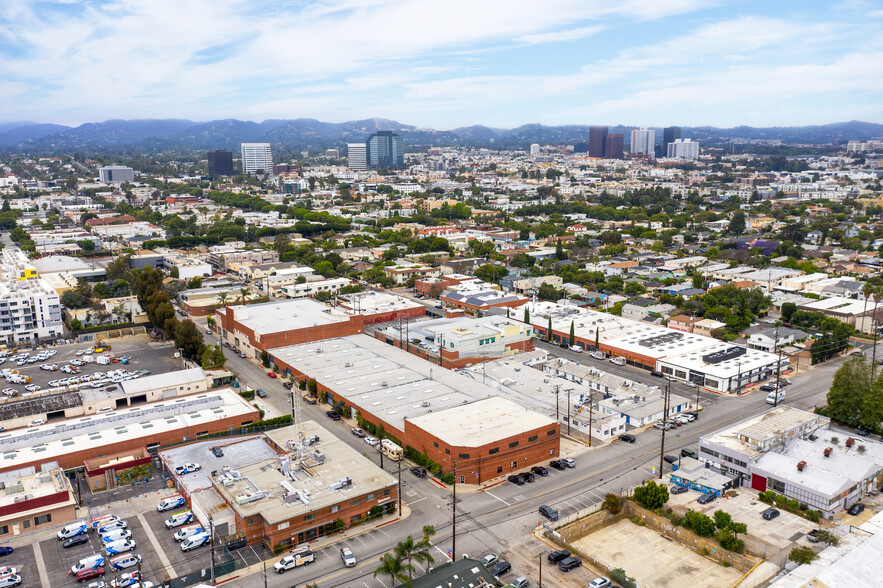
x,y
391,450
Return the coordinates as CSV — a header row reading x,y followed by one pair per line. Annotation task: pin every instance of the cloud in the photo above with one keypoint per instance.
x,y
561,36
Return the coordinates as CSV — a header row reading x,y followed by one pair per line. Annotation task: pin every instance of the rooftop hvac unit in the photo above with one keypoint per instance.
x,y
828,451
311,440
850,442
424,403
318,457
801,465
384,384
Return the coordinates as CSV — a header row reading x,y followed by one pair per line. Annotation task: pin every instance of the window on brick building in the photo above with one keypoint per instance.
x,y
464,456
252,520
356,502
387,492
550,432
500,469
534,438
493,451
355,518
513,464
370,497
310,517
435,443
513,445
335,508
448,451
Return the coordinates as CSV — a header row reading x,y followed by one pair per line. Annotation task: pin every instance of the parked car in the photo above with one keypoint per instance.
x,y
187,468
549,512
706,498
217,451
333,415
677,490
576,348
627,438
601,582
90,573
558,555
540,471
260,393
488,560
372,441
557,465
813,536
271,374
569,563
657,374
419,472
346,554
516,479
10,580
670,459
856,509
769,514
358,432
500,568
568,462
528,476
519,582
75,540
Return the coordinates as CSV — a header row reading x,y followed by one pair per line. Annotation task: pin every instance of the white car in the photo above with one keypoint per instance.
x,y
32,388
372,441
37,423
187,468
576,348
81,352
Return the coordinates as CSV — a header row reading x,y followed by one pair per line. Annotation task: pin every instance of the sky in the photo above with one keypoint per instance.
x,y
444,64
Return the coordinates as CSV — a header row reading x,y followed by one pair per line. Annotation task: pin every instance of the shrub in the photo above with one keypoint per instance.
x,y
638,521
814,515
247,394
703,551
612,503
803,555
726,564
827,537
448,478
651,495
701,524
727,541
619,576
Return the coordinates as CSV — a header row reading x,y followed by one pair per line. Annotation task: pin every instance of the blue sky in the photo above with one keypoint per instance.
x,y
445,64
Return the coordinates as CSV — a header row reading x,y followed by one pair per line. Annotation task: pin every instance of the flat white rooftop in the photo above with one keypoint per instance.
x,y
482,422
288,315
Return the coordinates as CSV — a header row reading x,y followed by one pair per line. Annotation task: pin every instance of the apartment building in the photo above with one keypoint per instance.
x,y
30,310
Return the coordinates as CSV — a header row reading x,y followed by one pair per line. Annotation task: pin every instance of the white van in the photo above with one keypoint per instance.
x,y
771,397
178,519
617,360
115,535
188,531
197,540
170,503
93,561
72,530
125,561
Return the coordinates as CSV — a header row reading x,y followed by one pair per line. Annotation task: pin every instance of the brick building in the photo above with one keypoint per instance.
x,y
432,287
476,300
34,500
385,386
280,502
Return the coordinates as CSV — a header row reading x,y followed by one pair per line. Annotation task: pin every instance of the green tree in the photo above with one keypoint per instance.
x,y
698,280
175,272
612,503
571,334
722,520
265,358
853,398
118,269
526,315
701,524
626,581
737,223
393,566
490,272
651,495
76,325
634,288
189,338
213,357
411,550
788,310
803,555
194,283
428,533
86,245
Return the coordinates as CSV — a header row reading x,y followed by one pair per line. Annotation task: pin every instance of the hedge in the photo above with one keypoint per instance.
x,y
792,506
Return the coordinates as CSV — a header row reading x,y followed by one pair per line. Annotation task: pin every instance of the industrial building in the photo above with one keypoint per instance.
x,y
708,362
793,452
71,442
411,400
460,342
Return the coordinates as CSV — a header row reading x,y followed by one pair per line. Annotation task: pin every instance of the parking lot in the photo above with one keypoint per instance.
x,y
143,354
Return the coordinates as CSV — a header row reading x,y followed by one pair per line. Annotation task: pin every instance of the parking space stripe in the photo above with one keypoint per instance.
x,y
160,553
41,565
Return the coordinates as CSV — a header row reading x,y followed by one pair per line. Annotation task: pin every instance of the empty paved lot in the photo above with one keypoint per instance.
x,y
653,560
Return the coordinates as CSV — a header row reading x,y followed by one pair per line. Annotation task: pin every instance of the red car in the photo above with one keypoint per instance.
x,y
271,374
89,573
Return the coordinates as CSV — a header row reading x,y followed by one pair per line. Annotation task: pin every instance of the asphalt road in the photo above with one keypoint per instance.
x,y
500,519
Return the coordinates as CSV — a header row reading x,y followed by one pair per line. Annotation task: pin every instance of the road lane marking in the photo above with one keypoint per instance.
x,y
416,501
498,498
156,546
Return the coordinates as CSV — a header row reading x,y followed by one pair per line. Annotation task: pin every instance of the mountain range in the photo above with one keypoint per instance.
x,y
304,133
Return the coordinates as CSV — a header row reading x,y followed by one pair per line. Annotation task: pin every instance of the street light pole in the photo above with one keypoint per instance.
x,y
568,410
591,411
454,512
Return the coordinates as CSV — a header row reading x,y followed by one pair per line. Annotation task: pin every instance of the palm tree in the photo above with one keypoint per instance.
x,y
223,298
393,566
243,295
428,532
414,550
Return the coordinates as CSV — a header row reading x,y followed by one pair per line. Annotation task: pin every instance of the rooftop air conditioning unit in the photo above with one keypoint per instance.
x,y
828,451
801,465
850,442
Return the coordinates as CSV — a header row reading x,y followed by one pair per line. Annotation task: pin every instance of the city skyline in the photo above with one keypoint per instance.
x,y
498,64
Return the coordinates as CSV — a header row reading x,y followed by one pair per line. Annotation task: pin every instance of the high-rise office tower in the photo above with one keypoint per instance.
x,y
643,141
613,146
597,137
256,158
385,150
683,149
669,135
357,155
220,163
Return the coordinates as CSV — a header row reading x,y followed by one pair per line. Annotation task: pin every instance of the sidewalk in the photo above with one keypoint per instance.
x,y
320,544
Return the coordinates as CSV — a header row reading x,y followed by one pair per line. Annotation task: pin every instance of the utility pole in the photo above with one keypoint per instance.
x,y
454,519
591,411
778,376
211,539
400,487
265,574
664,424
541,570
569,390
557,404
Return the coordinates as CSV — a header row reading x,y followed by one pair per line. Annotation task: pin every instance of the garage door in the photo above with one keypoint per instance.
x,y
758,483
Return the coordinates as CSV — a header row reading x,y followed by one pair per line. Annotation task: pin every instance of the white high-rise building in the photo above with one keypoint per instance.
x,y
257,157
683,149
115,174
643,141
534,149
357,156
30,309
